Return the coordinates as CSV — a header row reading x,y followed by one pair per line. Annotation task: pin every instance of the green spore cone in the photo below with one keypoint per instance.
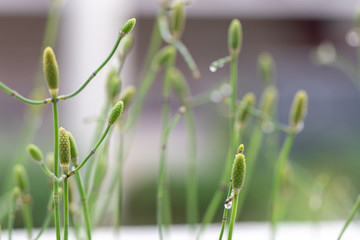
x,y
116,112
113,84
298,108
64,150
128,95
177,21
238,172
21,178
51,71
235,36
73,149
35,153
128,26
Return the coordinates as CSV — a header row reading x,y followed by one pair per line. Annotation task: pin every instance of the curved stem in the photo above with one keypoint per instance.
x,y
56,170
22,98
91,153
63,97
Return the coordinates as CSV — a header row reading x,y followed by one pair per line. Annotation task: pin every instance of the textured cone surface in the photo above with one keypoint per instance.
x,y
238,172
64,149
51,70
116,112
235,36
35,152
266,67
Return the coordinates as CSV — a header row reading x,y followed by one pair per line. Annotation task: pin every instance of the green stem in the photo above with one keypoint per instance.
x,y
91,153
166,111
90,170
27,218
233,217
120,37
22,98
215,201
162,172
119,178
154,46
350,217
56,170
84,204
192,211
224,218
66,210
278,177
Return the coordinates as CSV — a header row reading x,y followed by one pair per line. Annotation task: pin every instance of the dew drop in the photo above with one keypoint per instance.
x,y
212,68
299,127
228,205
326,53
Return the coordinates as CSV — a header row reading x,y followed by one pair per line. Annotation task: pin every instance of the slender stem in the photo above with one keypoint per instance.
x,y
22,98
84,204
140,96
90,170
56,170
91,153
188,58
119,179
224,218
166,111
278,177
192,211
215,201
233,217
66,209
350,217
27,218
154,46
120,37
162,172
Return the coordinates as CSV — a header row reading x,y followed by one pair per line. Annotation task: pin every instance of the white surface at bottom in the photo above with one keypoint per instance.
x,y
246,230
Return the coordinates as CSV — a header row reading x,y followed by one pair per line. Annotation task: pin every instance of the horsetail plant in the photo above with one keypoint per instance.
x,y
51,74
297,115
234,44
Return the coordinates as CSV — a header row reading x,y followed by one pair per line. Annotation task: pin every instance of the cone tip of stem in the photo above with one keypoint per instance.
x,y
128,26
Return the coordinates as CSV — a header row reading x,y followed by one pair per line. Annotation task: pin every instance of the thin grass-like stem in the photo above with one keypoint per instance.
x,y
91,153
26,210
225,213
350,217
73,94
56,170
22,98
84,204
278,177
11,215
50,174
162,171
233,217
